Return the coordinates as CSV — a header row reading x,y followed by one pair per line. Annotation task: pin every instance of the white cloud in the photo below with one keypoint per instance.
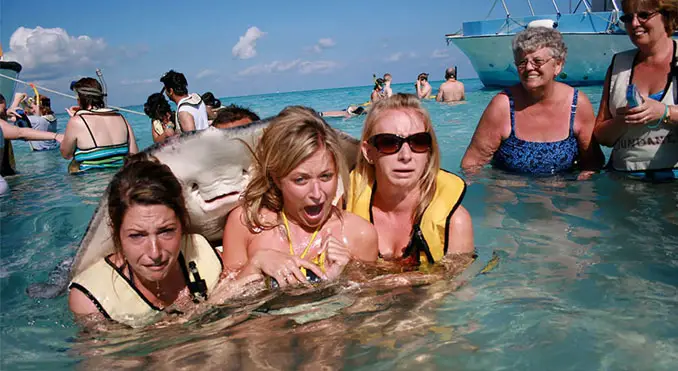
x,y
205,73
138,82
440,53
395,57
48,53
246,46
322,44
303,67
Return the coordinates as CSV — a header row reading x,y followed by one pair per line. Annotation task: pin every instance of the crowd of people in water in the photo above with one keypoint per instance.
x,y
293,223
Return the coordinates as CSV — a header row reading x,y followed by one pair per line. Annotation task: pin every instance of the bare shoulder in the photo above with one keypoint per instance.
x,y
362,236
355,223
497,111
80,303
75,122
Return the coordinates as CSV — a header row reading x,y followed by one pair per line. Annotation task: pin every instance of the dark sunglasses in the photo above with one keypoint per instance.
x,y
642,16
389,144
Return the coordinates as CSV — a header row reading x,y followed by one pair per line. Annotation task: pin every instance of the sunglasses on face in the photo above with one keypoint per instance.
x,y
642,16
537,63
389,144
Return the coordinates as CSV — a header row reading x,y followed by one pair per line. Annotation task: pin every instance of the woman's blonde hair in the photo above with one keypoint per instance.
x,y
411,105
292,137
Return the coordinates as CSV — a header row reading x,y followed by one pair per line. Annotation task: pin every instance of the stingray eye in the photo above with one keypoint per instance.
x,y
245,172
194,187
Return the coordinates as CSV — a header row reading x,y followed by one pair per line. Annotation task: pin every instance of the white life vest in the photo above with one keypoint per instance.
x,y
642,147
194,105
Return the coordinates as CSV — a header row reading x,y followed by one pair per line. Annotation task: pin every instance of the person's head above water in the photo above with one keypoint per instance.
x,y
451,73
210,100
533,39
157,107
174,84
423,76
232,116
645,10
90,93
399,147
388,77
45,105
145,197
379,84
298,162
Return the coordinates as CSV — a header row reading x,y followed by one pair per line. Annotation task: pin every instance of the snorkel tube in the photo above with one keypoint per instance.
x,y
104,89
37,98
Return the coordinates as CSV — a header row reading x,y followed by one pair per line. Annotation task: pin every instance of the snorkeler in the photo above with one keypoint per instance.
x,y
350,111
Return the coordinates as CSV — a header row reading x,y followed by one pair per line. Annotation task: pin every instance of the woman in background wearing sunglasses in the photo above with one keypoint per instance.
x,y
643,133
399,187
539,126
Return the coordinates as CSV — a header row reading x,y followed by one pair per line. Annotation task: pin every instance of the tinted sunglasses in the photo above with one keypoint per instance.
x,y
642,16
389,144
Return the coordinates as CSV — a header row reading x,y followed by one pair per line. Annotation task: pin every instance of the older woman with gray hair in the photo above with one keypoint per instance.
x,y
539,126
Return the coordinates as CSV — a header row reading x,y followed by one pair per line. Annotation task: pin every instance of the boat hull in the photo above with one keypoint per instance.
x,y
7,86
588,57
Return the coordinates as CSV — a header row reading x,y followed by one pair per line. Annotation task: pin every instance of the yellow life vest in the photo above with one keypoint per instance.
x,y
118,299
434,223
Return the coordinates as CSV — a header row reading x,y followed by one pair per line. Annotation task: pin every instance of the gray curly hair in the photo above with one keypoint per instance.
x,y
535,38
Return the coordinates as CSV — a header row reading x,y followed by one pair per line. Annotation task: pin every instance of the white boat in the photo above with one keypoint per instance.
x,y
592,32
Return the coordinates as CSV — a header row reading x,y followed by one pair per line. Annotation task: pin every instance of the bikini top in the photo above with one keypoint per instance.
x,y
521,156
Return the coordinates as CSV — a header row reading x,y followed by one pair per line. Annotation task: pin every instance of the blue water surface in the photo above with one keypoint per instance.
x,y
587,280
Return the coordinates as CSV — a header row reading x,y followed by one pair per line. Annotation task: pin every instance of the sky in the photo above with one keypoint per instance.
x,y
236,48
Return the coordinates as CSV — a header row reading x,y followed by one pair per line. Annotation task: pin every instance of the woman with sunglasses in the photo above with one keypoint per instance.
x,y
399,187
642,129
539,126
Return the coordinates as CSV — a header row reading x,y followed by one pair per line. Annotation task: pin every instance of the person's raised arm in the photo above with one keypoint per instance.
x,y
186,121
488,135
607,129
590,155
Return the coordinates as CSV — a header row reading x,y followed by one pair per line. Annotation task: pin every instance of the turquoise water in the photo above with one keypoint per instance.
x,y
587,281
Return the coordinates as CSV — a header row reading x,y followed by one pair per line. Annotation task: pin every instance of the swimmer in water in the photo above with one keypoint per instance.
x,y
288,204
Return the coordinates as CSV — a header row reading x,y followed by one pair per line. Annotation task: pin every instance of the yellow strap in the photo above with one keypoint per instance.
x,y
320,262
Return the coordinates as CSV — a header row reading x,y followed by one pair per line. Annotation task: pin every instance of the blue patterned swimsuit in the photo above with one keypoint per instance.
x,y
520,156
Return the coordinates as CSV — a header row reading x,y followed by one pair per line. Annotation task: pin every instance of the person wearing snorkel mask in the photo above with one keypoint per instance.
x,y
212,106
423,87
451,90
378,93
96,137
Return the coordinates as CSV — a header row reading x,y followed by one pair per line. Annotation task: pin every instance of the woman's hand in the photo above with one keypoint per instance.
x,y
283,267
338,255
72,110
648,112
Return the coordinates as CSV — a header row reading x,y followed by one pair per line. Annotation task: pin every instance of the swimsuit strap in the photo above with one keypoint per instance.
x,y
512,105
90,131
574,110
321,262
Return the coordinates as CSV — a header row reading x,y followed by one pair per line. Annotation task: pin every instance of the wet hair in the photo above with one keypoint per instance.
x,y
143,180
209,100
176,81
535,38
411,105
451,72
45,105
667,8
156,106
232,113
90,93
423,76
292,137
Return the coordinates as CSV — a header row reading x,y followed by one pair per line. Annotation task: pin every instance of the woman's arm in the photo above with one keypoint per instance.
x,y
13,132
489,133
590,155
132,140
460,233
235,243
608,130
68,145
80,304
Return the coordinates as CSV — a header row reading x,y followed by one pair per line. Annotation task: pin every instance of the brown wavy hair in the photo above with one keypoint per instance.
x,y
667,8
292,137
412,105
143,180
